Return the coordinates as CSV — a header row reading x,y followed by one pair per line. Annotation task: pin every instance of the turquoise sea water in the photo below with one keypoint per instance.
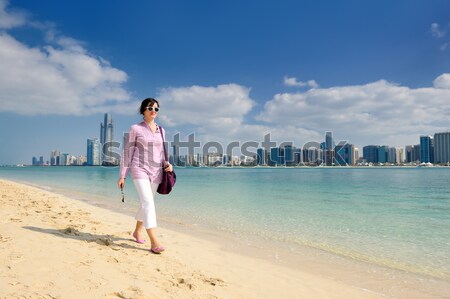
x,y
395,217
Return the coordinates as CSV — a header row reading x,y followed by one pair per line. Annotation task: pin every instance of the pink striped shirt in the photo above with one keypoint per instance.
x,y
143,153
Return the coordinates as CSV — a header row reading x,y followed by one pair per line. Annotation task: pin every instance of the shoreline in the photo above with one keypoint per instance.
x,y
230,268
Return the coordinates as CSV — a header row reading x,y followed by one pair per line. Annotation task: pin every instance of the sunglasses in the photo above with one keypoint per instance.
x,y
123,195
151,109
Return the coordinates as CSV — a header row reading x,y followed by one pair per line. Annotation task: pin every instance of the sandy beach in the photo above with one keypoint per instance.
x,y
52,246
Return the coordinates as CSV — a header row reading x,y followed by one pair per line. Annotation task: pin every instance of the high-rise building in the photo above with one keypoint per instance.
x,y
392,155
107,129
442,147
409,153
329,144
383,154
54,158
328,152
176,155
412,153
345,154
199,160
276,156
107,137
370,153
356,155
400,155
64,159
312,155
81,160
261,156
38,162
289,155
93,152
426,149
297,155
71,160
416,153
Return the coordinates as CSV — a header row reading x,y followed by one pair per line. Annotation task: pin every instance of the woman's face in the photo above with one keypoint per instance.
x,y
150,112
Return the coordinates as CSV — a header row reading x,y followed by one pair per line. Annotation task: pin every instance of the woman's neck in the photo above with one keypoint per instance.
x,y
149,121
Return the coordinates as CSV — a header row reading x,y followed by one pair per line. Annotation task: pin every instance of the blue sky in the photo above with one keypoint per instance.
x,y
373,72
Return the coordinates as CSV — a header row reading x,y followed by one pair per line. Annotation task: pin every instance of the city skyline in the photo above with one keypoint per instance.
x,y
268,152
294,69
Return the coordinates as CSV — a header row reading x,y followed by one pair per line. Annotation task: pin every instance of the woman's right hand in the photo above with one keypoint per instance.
x,y
121,183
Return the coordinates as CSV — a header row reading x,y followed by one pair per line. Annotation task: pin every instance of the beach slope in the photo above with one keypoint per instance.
x,y
52,246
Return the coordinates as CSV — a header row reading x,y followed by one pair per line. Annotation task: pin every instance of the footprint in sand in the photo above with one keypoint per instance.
x,y
4,239
186,282
208,280
112,260
214,281
130,293
198,278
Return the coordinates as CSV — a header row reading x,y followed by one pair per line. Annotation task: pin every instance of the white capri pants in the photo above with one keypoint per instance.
x,y
146,191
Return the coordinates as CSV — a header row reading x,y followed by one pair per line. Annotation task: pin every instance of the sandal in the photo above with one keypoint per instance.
x,y
140,241
157,250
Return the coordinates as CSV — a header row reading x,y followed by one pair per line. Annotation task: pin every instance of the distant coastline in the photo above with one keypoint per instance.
x,y
408,165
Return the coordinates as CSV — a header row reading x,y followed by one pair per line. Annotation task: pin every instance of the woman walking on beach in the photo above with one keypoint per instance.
x,y
143,156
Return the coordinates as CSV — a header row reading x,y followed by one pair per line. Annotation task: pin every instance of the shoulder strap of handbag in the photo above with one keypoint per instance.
x,y
164,144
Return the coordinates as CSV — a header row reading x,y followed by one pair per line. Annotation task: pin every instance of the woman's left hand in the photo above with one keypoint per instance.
x,y
168,167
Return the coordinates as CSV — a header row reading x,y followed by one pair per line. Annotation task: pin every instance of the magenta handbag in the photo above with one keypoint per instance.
x,y
169,178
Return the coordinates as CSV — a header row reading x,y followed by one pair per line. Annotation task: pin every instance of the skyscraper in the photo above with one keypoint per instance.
x,y
392,155
345,154
329,149
64,159
54,158
442,147
370,153
289,155
426,149
276,157
176,155
416,153
107,137
329,144
93,152
107,129
383,154
409,153
261,156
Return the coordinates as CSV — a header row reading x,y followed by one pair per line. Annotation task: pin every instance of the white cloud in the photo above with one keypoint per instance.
x,y
436,31
439,33
375,113
221,114
443,81
292,81
61,77
378,111
10,19
221,106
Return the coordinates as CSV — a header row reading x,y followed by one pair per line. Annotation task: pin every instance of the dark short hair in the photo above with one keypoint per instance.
x,y
147,102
